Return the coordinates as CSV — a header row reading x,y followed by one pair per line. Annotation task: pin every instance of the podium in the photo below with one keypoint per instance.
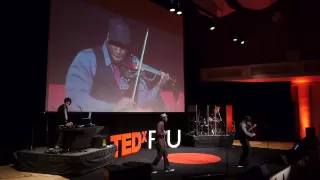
x,y
79,138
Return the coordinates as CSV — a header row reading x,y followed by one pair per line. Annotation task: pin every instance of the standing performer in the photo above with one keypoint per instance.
x,y
63,119
244,136
161,145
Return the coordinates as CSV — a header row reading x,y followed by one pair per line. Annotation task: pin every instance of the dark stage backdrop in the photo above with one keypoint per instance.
x,y
269,104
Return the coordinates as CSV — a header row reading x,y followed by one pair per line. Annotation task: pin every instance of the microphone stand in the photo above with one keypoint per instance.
x,y
227,158
267,134
80,111
31,148
47,129
81,114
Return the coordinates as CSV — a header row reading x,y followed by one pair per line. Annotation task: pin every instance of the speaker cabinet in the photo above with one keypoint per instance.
x,y
136,170
254,173
261,172
282,160
142,170
114,172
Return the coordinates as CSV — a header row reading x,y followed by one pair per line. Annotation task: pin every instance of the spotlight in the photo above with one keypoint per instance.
x,y
235,39
212,28
179,12
172,9
242,42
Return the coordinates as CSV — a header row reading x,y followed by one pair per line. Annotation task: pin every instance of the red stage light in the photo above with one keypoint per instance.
x,y
193,158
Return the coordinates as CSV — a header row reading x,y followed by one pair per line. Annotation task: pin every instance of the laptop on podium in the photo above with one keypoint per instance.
x,y
87,121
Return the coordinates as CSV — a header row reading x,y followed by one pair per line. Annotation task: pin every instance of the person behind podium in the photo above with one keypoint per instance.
x,y
63,119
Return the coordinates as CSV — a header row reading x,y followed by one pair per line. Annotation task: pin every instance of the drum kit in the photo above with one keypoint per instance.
x,y
212,125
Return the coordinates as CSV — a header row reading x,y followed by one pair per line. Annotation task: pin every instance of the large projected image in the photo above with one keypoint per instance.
x,y
106,62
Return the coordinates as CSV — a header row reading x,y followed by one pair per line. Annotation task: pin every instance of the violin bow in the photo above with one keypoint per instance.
x,y
140,65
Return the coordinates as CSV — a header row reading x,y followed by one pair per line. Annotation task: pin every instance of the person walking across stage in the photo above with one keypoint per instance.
x,y
244,136
161,145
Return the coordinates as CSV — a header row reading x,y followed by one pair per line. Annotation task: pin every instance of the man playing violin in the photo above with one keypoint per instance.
x,y
245,133
94,82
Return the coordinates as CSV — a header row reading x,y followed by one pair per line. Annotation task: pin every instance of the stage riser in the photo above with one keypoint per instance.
x,y
39,162
208,141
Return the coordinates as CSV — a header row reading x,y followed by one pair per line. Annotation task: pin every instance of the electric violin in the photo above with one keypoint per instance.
x,y
129,71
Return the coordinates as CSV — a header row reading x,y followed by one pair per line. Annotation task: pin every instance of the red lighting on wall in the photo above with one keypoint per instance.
x,y
304,107
229,117
303,98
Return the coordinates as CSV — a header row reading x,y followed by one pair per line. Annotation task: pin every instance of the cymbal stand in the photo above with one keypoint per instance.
x,y
207,120
223,123
197,121
215,119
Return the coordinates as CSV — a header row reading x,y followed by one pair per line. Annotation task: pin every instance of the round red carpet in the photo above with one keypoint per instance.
x,y
193,158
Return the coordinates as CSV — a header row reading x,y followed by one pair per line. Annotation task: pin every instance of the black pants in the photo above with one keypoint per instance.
x,y
161,152
246,148
60,140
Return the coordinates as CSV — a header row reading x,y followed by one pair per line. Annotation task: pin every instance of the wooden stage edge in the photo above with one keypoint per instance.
x,y
268,144
9,173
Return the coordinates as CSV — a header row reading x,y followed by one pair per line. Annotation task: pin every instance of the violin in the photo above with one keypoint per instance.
x,y
251,129
130,70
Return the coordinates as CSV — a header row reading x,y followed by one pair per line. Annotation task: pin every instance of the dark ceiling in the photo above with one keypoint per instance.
x,y
285,30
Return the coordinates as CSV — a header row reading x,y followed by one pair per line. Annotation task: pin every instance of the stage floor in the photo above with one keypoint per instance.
x,y
225,168
189,165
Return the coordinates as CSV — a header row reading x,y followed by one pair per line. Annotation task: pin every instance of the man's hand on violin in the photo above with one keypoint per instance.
x,y
163,80
125,104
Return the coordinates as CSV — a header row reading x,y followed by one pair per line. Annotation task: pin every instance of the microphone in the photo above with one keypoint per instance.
x,y
79,107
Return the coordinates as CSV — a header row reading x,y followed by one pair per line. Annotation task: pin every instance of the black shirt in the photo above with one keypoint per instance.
x,y
62,114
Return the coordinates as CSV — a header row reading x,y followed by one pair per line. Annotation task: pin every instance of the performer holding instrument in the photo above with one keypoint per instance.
x,y
245,133
110,78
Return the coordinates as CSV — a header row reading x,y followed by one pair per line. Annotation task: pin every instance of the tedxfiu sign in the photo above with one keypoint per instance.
x,y
130,143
